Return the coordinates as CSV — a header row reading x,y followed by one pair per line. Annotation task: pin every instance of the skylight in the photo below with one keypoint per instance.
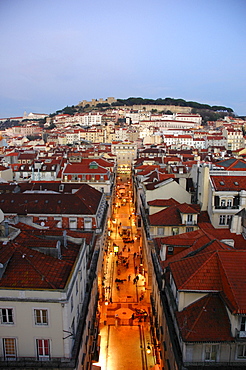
x,y
222,183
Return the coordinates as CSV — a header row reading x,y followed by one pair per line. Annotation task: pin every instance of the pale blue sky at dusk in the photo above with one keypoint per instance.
x,y
56,53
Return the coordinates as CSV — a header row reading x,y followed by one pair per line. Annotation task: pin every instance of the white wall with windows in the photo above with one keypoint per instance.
x,y
42,324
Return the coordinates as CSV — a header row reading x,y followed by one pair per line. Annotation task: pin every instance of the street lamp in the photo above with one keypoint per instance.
x,y
148,349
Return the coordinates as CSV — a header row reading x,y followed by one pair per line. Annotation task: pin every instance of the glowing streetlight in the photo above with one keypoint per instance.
x,y
148,349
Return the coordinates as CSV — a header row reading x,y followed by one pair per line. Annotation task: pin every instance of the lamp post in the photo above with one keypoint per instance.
x,y
148,349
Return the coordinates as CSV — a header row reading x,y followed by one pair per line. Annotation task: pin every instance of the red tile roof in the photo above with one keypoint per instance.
x,y
189,208
197,273
85,201
221,271
171,215
80,168
163,202
229,183
153,185
206,320
29,269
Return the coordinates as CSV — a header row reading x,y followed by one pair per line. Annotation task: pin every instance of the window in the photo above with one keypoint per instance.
x,y
228,219
175,230
9,347
222,220
43,349
160,230
243,323
241,351
73,223
170,250
189,229
229,202
88,223
222,202
211,352
189,219
41,316
7,316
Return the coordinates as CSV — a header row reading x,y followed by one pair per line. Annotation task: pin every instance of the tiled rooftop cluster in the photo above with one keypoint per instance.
x,y
190,194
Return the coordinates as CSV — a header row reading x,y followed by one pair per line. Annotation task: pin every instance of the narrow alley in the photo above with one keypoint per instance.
x,y
125,332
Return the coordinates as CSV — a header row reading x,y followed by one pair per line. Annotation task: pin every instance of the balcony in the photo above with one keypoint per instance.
x,y
33,362
190,223
226,207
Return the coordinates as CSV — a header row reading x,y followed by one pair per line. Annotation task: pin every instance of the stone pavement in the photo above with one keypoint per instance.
x,y
125,335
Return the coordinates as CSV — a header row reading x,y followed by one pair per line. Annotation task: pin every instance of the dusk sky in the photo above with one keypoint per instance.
x,y
56,53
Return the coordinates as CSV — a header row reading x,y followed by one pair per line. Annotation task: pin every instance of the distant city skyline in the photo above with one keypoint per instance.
x,y
58,53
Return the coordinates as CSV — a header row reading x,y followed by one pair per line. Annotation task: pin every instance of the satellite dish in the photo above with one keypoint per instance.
x,y
42,223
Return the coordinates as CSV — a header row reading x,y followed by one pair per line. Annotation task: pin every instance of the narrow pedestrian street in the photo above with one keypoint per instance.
x,y
126,341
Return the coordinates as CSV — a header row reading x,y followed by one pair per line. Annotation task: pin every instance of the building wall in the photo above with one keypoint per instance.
x,y
169,230
7,174
60,314
159,108
185,299
170,190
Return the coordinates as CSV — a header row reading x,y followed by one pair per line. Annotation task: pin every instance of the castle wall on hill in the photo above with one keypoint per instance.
x,y
160,108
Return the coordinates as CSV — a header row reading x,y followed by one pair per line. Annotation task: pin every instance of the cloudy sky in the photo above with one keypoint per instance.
x,y
56,53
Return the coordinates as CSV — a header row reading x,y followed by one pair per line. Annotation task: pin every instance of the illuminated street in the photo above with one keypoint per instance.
x,y
126,341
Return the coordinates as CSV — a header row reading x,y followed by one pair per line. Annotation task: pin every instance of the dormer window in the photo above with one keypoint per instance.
x,y
223,203
189,218
93,165
170,250
243,323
